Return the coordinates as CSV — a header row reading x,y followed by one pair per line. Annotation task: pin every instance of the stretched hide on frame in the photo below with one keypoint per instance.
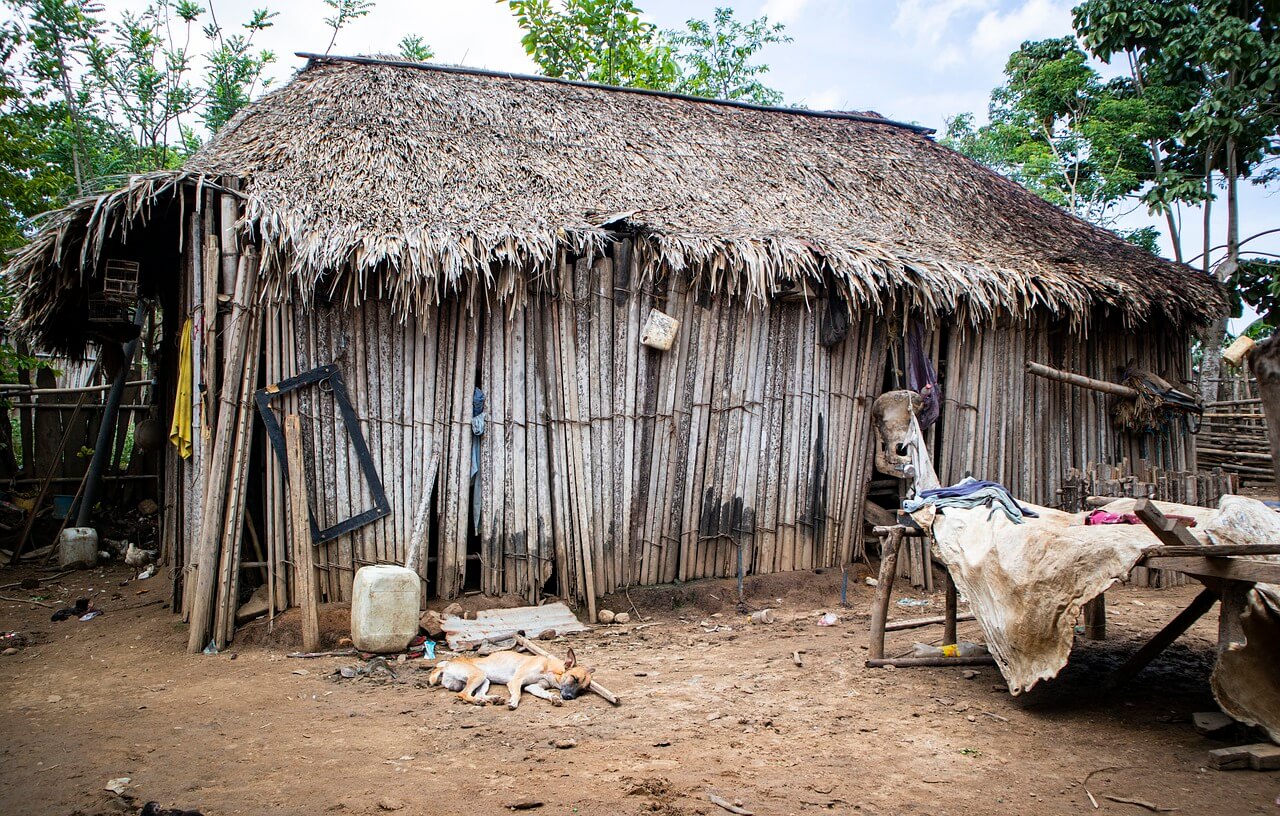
x,y
1026,582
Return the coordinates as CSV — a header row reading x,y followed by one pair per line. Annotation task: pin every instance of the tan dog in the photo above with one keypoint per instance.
x,y
470,677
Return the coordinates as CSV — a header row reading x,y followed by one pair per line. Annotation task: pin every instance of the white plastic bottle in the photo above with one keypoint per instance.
x,y
384,608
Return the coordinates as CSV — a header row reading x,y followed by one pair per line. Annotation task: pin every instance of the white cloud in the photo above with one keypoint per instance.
x,y
1001,33
929,21
824,99
783,11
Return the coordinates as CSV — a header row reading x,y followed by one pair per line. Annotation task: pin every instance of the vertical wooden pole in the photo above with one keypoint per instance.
x,y
880,605
1095,618
949,623
300,530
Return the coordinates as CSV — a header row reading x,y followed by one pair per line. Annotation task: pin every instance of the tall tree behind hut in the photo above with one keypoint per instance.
x,y
610,42
1222,58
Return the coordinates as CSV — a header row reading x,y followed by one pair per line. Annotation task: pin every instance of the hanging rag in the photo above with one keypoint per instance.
x,y
920,471
971,492
921,376
180,428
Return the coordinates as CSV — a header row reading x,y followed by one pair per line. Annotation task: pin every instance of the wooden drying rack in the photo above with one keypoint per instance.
x,y
1227,572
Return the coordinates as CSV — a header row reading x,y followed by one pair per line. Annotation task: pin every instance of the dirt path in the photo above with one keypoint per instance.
x,y
726,711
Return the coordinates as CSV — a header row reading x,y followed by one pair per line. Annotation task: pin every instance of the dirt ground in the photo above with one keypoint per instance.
x,y
710,704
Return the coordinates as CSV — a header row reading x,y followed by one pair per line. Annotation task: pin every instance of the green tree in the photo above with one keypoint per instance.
x,y
414,49
344,11
717,55
235,69
59,34
596,40
1221,60
142,72
1060,130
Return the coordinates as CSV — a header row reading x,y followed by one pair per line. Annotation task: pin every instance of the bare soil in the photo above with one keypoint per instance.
x,y
710,704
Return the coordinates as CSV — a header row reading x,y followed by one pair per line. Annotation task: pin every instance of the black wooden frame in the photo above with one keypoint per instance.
x,y
316,376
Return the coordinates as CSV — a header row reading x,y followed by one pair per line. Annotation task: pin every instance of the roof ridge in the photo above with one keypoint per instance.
x,y
730,103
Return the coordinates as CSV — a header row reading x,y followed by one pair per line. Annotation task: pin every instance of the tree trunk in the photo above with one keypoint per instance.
x,y
1211,366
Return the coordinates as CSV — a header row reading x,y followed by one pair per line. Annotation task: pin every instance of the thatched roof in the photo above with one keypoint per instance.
x,y
420,181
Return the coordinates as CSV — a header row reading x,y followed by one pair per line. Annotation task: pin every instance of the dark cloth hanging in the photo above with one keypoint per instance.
x,y
921,377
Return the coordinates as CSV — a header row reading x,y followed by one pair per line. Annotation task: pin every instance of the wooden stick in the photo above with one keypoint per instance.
x,y
1081,381
916,623
908,662
596,687
301,532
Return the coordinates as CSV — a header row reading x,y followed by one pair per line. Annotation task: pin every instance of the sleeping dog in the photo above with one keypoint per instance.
x,y
470,677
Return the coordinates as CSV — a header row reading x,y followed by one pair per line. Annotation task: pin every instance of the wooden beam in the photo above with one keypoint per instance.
x,y
1171,532
1228,567
1212,550
1081,381
1194,611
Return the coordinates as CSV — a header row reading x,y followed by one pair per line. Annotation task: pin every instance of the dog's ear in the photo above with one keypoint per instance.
x,y
570,660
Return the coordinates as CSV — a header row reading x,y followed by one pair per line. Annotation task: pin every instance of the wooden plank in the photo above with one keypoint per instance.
x,y
300,530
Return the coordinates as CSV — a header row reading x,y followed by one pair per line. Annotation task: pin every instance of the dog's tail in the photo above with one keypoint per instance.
x,y
433,679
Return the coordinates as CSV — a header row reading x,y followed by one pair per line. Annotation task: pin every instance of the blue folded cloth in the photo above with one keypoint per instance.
x,y
971,492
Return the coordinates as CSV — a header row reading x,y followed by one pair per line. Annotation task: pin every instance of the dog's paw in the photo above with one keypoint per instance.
x,y
557,702
513,706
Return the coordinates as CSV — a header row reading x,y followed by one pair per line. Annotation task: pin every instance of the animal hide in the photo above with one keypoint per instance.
x,y
1027,582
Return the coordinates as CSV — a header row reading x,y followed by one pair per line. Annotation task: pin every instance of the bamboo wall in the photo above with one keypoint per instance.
x,y
1026,432
603,463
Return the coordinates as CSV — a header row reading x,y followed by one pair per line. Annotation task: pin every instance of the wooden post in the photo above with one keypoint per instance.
x,y
949,625
300,533
1095,618
889,544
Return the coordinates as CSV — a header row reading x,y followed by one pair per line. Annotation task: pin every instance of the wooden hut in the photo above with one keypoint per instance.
x,y
444,235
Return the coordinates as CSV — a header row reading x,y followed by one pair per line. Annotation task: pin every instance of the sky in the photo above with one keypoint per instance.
x,y
913,60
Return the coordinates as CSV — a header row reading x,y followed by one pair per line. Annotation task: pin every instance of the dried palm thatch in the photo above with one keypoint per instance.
x,y
369,177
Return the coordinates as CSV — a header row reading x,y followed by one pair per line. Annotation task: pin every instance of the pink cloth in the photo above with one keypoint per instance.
x,y
1103,517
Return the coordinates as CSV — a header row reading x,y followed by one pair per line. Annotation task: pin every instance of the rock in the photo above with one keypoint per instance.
x,y
429,622
453,610
622,617
147,507
257,605
117,785
9,652
1261,756
969,674
30,583
713,716
565,743
549,634
1211,723
605,616
387,803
